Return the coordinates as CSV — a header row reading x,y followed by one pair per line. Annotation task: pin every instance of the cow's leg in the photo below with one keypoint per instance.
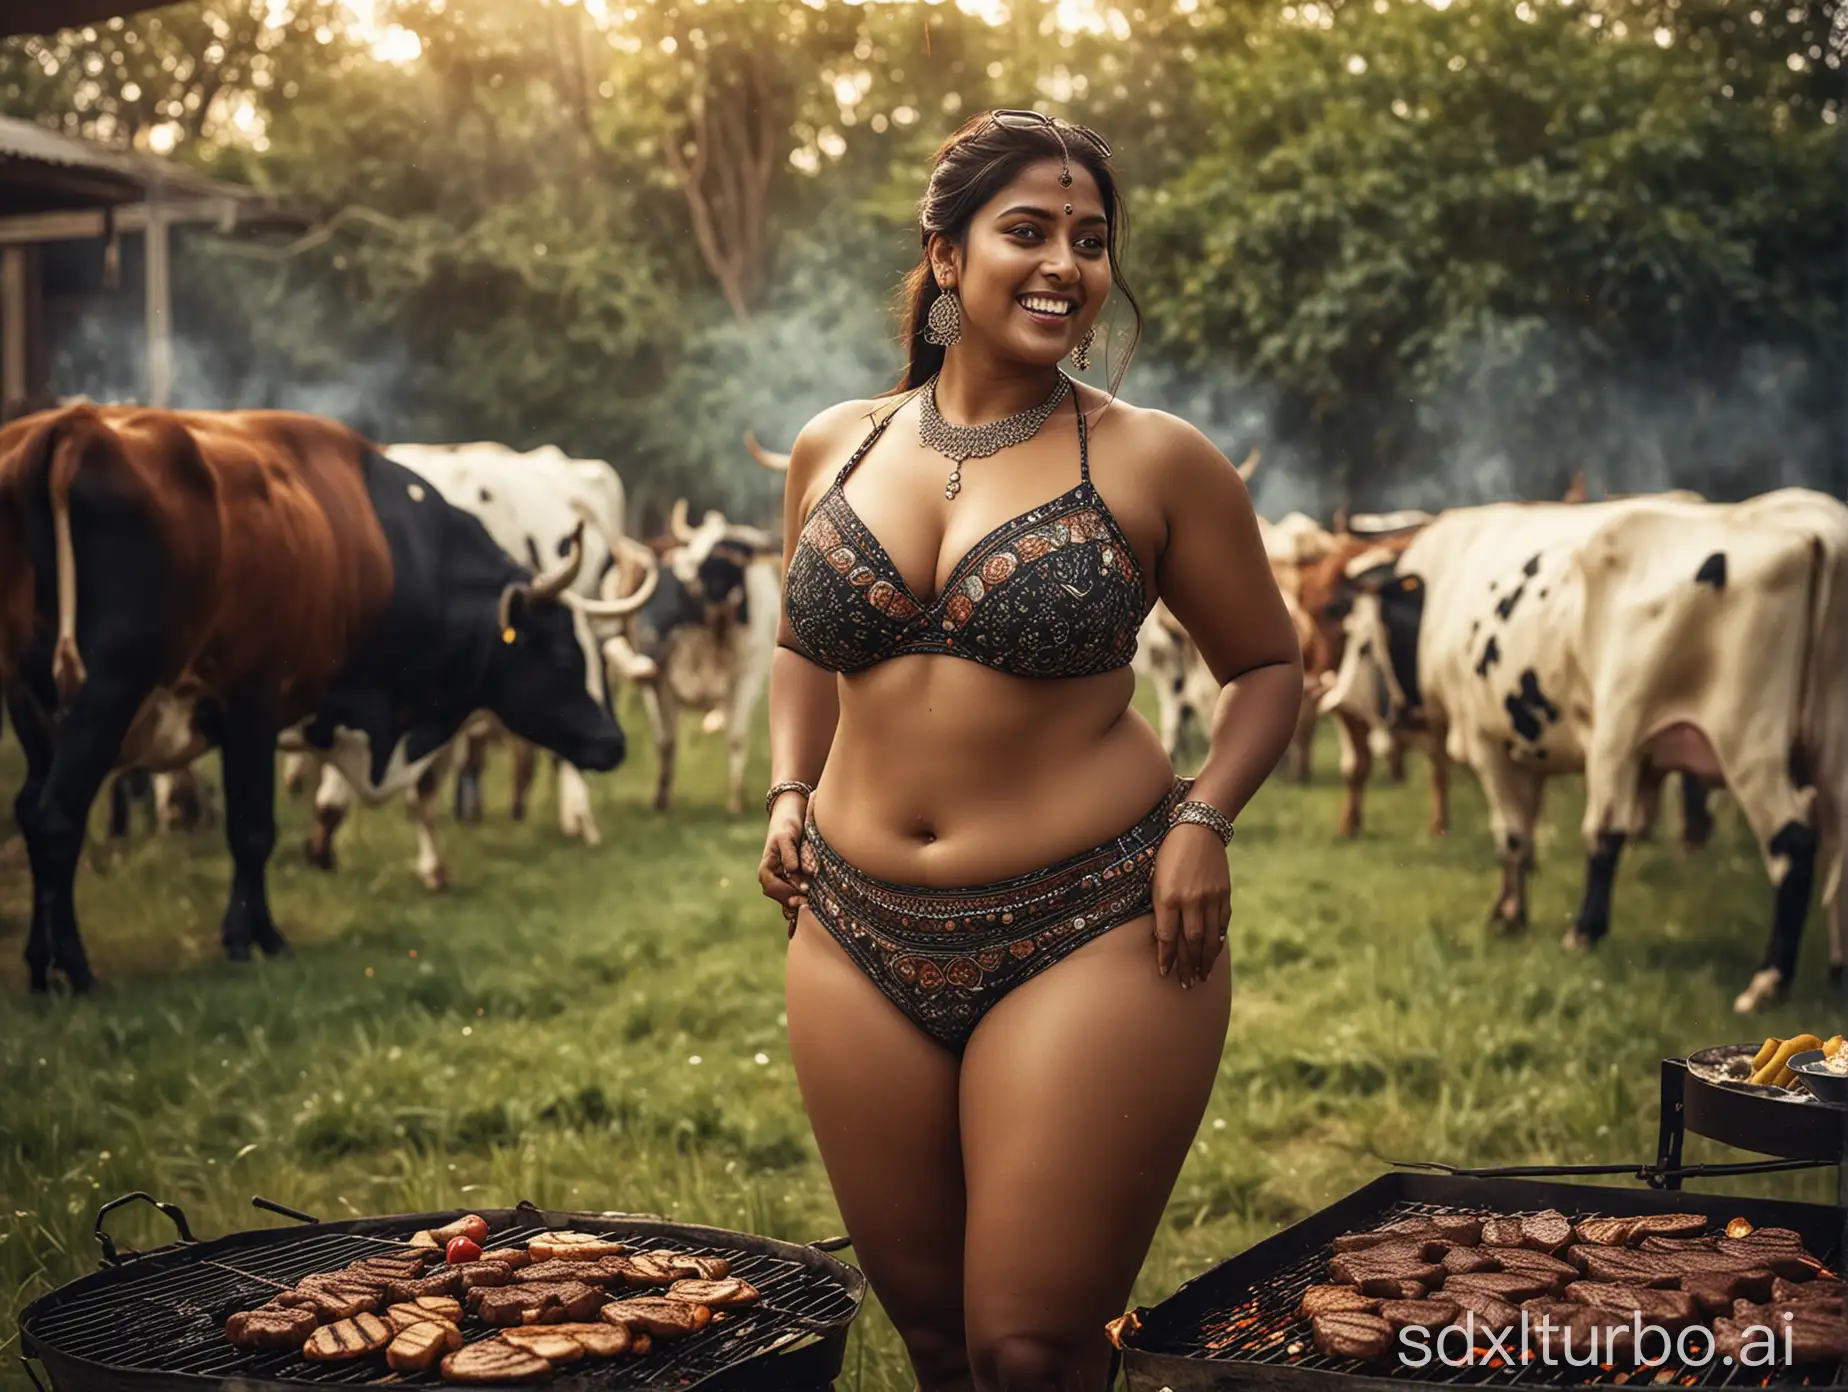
x,y
575,817
664,719
1168,707
247,754
1395,760
430,867
1302,745
296,767
1439,824
1514,798
124,791
89,739
749,675
1696,815
1648,802
39,751
1356,764
179,801
1593,920
1796,842
333,796
525,766
468,777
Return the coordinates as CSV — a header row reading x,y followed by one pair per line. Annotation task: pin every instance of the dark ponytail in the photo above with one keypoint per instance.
x,y
969,168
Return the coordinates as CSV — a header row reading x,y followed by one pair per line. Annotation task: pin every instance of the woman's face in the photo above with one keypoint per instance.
x,y
1032,276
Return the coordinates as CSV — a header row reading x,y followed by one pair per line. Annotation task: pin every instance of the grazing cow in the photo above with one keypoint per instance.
x,y
705,639
170,581
533,505
1628,640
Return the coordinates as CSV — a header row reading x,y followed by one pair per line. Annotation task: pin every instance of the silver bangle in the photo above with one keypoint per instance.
x,y
1207,816
788,785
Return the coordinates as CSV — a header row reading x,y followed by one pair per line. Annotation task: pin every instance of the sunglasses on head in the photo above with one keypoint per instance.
x,y
1021,120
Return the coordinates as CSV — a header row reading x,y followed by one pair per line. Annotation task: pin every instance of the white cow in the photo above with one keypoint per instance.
x,y
1627,640
533,505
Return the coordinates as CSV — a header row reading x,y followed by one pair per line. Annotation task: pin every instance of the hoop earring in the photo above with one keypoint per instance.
x,y
1081,354
943,325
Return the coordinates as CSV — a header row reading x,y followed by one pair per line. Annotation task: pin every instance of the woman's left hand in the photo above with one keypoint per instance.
x,y
1193,902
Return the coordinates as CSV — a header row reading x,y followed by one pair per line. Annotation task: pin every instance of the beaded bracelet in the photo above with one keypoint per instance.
x,y
786,786
1207,816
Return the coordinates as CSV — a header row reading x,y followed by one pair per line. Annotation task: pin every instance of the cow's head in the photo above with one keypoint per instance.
x,y
710,559
545,676
1377,680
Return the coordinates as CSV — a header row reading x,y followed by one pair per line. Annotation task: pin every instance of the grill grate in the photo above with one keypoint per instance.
x,y
172,1321
1264,1328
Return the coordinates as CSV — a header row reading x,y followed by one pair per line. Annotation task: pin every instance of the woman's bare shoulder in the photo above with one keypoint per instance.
x,y
1152,443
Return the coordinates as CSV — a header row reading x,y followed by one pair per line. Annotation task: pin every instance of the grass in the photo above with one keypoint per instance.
x,y
603,1029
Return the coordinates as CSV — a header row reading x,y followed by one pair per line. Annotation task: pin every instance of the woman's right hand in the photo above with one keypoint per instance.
x,y
780,872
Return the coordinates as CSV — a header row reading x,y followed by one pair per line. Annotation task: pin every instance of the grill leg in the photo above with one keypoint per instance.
x,y
1673,1124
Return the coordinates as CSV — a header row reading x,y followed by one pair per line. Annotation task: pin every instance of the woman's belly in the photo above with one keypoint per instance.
x,y
946,773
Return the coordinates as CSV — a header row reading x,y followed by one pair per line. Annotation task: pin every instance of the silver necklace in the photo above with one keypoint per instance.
x,y
961,442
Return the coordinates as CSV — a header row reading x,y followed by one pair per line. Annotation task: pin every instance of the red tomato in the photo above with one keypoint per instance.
x,y
475,1226
462,1249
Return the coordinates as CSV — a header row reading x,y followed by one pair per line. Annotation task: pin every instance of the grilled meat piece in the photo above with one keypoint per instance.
x,y
598,1340
1771,1237
1605,1232
513,1258
1418,1314
443,1283
1461,1228
492,1361
640,1270
1502,1232
272,1327
1667,1225
481,1273
1622,1267
1533,1263
724,1294
592,1272
1406,1229
1809,1340
537,1303
417,1348
1792,1263
1589,1331
1672,1309
1490,1311
1825,1289
1352,1335
1459,1261
1332,1300
1799,1311
346,1283
1355,1268
429,1307
1511,1286
387,1268
1715,1292
662,1318
1394,1288
347,1338
573,1246
1548,1231
539,1338
1675,1245
688,1267
326,1305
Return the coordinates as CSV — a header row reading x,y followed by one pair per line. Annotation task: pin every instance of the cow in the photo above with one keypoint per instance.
x,y
533,505
1626,640
172,581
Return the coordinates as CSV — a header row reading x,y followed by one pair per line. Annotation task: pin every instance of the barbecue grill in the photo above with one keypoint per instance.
x,y
154,1321
1236,1326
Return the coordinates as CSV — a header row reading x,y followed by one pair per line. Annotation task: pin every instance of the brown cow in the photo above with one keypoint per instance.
x,y
172,580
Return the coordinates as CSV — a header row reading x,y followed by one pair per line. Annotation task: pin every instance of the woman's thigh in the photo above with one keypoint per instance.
x,y
1082,1091
882,1099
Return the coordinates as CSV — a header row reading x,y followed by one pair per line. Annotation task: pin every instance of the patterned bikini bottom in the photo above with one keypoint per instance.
x,y
945,956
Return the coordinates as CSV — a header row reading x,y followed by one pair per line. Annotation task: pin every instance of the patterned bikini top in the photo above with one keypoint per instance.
x,y
1054,592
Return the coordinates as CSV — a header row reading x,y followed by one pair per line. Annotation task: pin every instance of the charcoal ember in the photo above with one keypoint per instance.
x,y
1355,1269
1503,1232
1716,1291
1672,1309
1460,1261
1418,1314
1826,1289
1549,1231
1677,1245
1352,1335
1332,1300
1394,1288
1482,1309
275,1327
1511,1286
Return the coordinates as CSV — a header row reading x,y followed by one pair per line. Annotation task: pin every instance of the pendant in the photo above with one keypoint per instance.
x,y
953,485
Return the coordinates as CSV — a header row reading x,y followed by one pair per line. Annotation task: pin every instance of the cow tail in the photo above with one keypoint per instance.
x,y
1825,729
67,670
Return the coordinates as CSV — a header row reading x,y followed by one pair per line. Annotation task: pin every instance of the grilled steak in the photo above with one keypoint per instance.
x,y
593,1272
272,1327
1605,1232
1716,1291
1546,1232
1595,1331
1778,1313
481,1273
640,1271
1489,1311
1672,1309
1626,1268
539,1339
1418,1314
537,1303
1351,1335
724,1294
1826,1289
1809,1340
444,1283
1406,1229
417,1348
387,1268
598,1340
664,1319
1331,1300
326,1305
492,1361
1792,1263
1502,1232
346,1283
1394,1288
1771,1237
1679,1244
1460,1228
513,1258
429,1307
573,1246
1357,1268
347,1338
1459,1261
1511,1286
1667,1225
1531,1263
689,1267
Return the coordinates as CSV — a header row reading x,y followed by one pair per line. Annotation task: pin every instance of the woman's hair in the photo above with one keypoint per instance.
x,y
983,157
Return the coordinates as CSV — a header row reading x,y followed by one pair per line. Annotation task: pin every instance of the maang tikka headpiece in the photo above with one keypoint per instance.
x,y
1008,116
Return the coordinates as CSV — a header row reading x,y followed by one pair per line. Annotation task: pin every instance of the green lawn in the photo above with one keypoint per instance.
x,y
602,1029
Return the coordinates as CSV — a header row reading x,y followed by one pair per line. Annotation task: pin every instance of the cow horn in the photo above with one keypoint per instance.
x,y
552,582
628,604
1249,467
753,537
677,522
770,459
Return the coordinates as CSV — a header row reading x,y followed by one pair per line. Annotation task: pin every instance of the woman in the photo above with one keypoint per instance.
x,y
995,935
